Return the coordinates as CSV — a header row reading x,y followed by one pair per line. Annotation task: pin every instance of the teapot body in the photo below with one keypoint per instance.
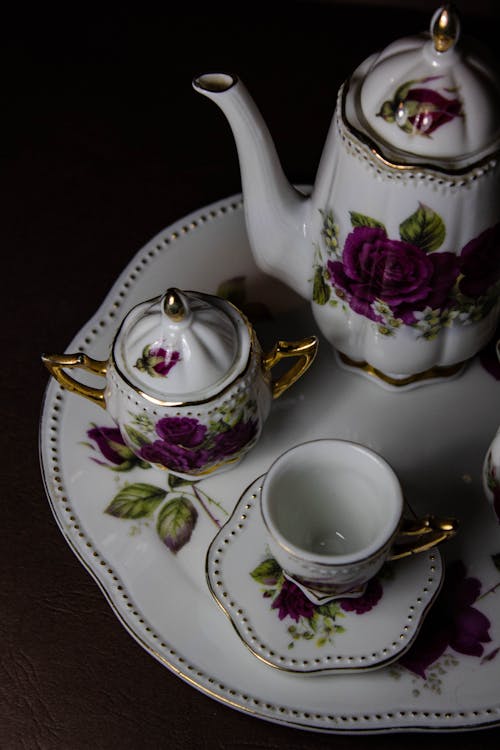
x,y
405,264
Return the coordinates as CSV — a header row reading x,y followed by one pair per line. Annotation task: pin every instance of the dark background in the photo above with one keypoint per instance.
x,y
104,144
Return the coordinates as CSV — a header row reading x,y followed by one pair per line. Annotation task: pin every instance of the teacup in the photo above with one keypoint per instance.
x,y
187,382
333,512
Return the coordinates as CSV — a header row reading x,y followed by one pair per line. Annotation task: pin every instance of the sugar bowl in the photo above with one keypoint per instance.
x,y
187,382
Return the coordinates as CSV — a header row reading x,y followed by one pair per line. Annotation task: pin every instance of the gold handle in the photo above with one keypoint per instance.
x,y
56,362
418,535
305,350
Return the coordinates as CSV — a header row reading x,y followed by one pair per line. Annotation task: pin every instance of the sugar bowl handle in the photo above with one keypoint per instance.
x,y
305,350
55,363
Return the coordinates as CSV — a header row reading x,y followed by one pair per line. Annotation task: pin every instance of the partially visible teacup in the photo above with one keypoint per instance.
x,y
491,466
333,511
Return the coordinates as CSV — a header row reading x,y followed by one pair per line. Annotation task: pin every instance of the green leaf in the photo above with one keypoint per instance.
x,y
360,220
424,228
332,609
387,112
413,108
136,437
403,90
176,521
496,560
136,501
267,573
174,482
321,290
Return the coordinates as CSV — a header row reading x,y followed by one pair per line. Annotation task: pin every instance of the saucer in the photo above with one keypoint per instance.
x,y
284,629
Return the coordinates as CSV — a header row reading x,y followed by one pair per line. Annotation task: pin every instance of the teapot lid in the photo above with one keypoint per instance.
x,y
428,96
182,347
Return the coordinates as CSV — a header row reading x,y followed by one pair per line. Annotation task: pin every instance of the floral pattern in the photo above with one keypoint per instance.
x,y
174,507
180,442
189,446
452,623
319,622
405,282
455,625
112,448
157,361
420,110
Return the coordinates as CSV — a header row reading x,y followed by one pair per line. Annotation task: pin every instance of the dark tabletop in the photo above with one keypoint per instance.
x,y
104,145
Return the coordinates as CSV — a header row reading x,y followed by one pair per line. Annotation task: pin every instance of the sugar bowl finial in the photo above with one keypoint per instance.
x,y
173,305
445,27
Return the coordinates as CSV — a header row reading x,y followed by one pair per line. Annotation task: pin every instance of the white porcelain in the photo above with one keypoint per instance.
x,y
369,634
333,515
396,246
187,382
435,439
491,475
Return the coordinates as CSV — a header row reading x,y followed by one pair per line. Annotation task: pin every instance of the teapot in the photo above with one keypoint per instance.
x,y
398,245
187,382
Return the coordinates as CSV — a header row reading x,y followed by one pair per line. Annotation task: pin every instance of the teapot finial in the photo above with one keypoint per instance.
x,y
445,28
173,305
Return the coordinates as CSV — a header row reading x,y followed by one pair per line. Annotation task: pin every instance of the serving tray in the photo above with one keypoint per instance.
x,y
144,536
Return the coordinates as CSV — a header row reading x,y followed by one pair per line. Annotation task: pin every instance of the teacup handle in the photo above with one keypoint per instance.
x,y
55,363
305,350
422,534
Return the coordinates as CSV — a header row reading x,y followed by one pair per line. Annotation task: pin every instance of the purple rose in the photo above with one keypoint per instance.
x,y
184,431
453,622
233,440
366,602
480,262
179,446
174,457
433,110
401,275
165,360
420,110
157,361
291,602
113,448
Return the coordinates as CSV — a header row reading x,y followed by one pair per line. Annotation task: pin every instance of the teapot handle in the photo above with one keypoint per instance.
x,y
305,350
56,362
421,534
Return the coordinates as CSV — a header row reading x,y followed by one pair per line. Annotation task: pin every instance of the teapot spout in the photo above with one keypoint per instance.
x,y
276,214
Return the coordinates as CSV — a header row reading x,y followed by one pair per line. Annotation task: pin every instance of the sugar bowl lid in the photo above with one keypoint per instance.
x,y
431,98
182,347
